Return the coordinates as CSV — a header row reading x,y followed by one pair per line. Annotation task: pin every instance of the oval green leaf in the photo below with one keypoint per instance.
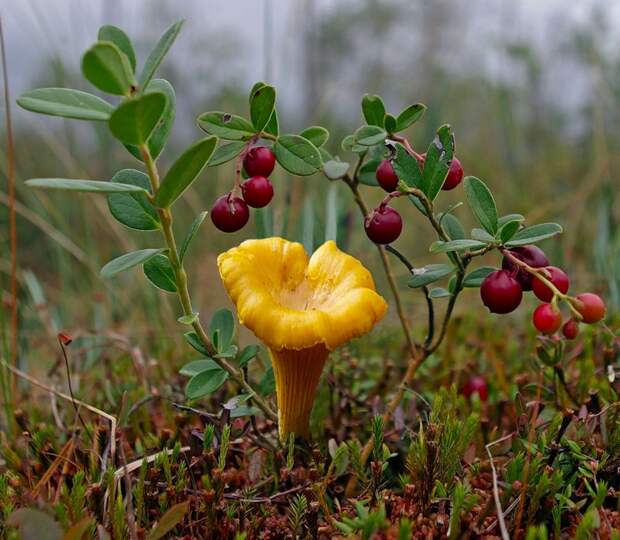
x,y
66,103
134,120
184,171
158,53
373,110
369,135
108,69
429,274
317,135
297,155
205,383
88,186
368,173
535,233
159,272
226,126
191,233
222,329
482,203
226,152
262,104
455,245
133,209
121,40
476,277
127,261
409,116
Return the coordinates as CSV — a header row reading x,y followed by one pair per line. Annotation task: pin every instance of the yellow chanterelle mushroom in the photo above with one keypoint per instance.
x,y
301,308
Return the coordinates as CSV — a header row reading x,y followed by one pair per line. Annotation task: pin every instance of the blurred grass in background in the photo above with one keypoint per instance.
x,y
531,93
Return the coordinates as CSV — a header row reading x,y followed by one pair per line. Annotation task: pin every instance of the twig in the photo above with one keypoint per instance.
x,y
498,503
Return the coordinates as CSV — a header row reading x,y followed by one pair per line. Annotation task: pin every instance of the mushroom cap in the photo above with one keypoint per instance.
x,y
291,301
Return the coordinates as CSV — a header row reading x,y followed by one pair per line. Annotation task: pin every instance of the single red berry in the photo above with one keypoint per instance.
x,y
384,225
591,307
230,213
386,176
570,329
259,161
547,319
501,292
455,175
476,385
556,276
257,191
532,256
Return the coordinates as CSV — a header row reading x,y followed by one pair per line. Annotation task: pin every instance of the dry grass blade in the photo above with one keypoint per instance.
x,y
498,503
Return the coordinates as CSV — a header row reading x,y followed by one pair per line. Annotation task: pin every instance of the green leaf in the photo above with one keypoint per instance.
x,y
373,110
226,126
452,226
88,186
262,105
194,341
108,69
193,229
409,116
169,521
184,171
226,152
158,270
369,135
510,217
66,103
273,126
455,245
133,209
429,274
198,366
159,137
222,329
121,40
439,292
535,233
158,53
508,230
437,162
267,384
134,120
368,173
407,168
297,155
205,383
188,319
246,354
348,144
476,277
317,135
127,261
482,235
335,169
389,123
482,203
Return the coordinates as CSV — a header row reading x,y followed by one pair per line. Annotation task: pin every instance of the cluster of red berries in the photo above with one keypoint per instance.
x,y
230,212
502,292
384,224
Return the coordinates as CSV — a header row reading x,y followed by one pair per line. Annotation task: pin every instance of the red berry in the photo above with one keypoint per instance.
x,y
557,276
259,161
570,329
455,175
591,307
257,191
386,176
501,292
547,319
384,225
230,213
532,256
476,385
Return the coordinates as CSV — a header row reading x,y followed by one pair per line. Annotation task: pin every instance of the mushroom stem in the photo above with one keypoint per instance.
x,y
297,374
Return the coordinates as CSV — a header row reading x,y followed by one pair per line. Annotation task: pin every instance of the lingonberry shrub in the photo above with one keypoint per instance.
x,y
141,116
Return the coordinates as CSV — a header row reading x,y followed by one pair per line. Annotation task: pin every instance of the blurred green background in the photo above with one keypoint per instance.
x,y
531,90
